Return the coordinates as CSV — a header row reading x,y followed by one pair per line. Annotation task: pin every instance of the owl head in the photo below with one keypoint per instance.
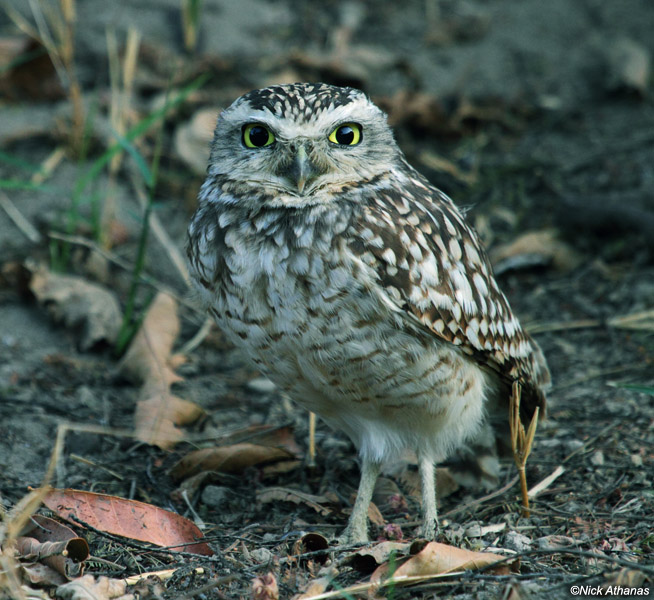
x,y
302,142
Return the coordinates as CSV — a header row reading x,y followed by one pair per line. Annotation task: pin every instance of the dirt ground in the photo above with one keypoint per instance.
x,y
538,117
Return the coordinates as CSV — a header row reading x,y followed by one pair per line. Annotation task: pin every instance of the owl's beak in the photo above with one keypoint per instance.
x,y
301,170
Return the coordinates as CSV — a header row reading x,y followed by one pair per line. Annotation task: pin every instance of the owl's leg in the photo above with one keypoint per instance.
x,y
357,527
429,511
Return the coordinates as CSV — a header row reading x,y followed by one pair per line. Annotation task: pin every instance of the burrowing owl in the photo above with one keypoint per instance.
x,y
353,283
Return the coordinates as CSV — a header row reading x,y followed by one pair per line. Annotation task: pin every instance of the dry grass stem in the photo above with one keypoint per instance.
x,y
545,483
521,442
640,321
55,30
198,338
48,166
312,439
175,255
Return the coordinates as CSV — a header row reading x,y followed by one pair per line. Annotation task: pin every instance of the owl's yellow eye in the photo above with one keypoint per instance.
x,y
348,134
256,135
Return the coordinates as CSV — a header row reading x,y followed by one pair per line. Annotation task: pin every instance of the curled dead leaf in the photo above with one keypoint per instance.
x,y
90,588
265,587
366,560
55,545
535,248
435,558
78,304
312,542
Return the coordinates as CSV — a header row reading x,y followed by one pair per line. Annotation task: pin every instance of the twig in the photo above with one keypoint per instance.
x,y
483,499
545,483
91,463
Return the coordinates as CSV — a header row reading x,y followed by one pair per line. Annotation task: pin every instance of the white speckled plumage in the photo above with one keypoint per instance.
x,y
360,291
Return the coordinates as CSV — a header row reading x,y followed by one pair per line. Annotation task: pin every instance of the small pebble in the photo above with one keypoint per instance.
x,y
597,458
517,541
474,530
214,495
261,555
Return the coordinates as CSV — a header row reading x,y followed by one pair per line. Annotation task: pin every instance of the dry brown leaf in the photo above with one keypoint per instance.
x,y
54,544
78,304
265,587
265,435
192,139
227,459
375,516
279,494
128,518
159,412
149,360
318,586
535,248
436,558
89,588
149,356
279,468
366,560
41,574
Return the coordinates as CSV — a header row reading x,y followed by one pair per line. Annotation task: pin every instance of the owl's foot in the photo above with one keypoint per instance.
x,y
354,535
428,530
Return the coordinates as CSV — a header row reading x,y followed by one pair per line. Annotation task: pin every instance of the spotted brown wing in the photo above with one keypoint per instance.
x,y
433,268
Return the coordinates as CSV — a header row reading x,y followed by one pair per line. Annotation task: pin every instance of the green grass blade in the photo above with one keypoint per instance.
x,y
17,184
14,161
135,132
136,156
